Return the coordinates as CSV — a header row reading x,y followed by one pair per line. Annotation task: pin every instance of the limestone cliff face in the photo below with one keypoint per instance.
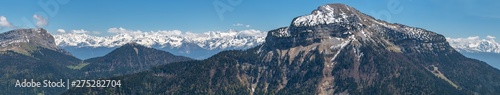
x,y
353,52
28,40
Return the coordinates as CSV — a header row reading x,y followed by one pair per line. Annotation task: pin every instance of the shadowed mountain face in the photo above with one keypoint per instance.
x,y
44,64
334,50
129,58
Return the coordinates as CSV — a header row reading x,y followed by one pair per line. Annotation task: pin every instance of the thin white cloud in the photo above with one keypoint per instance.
x,y
40,21
4,22
122,30
247,33
241,25
490,37
117,30
170,32
473,38
61,31
81,31
238,24
96,32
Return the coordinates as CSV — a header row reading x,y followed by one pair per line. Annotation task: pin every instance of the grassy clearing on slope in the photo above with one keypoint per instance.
x,y
78,67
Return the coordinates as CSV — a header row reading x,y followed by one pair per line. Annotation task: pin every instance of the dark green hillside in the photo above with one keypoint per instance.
x,y
128,59
44,64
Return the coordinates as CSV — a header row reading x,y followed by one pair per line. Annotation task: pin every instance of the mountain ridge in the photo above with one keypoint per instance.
x,y
127,59
487,50
27,40
170,39
175,42
33,54
352,54
475,44
90,47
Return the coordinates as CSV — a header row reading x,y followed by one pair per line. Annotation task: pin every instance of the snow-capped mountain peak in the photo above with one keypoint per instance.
x,y
475,44
171,39
325,14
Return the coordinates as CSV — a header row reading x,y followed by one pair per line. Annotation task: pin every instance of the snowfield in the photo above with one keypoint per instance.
x,y
169,39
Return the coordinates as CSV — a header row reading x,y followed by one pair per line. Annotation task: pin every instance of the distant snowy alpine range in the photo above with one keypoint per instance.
x,y
204,45
194,45
487,50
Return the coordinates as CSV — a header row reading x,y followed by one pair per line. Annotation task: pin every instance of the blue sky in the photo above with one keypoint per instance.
x,y
452,18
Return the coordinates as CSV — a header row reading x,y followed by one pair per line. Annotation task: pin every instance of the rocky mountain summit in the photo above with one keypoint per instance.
x,y
25,40
334,50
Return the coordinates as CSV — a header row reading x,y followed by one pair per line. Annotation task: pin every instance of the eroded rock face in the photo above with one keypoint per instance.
x,y
36,36
28,40
340,23
351,52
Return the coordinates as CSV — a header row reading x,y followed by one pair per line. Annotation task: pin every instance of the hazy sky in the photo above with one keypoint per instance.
x,y
452,18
